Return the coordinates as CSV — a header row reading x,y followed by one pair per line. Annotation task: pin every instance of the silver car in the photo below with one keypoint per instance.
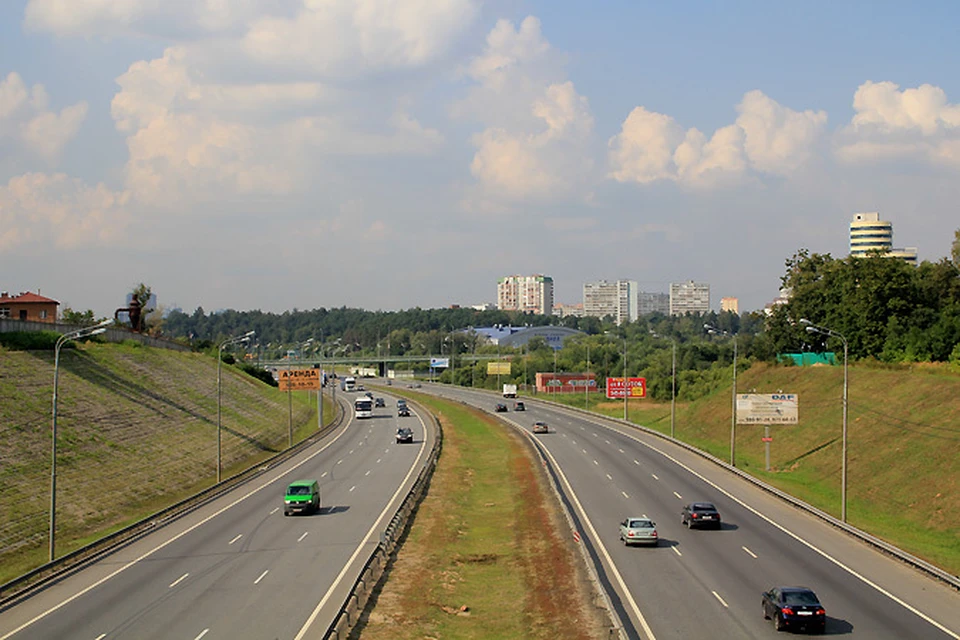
x,y
639,531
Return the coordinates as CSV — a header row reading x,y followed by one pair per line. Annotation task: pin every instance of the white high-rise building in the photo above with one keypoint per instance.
x,y
530,294
690,296
869,233
617,299
651,302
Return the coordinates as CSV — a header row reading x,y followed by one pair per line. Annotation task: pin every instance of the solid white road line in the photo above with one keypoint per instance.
x,y
239,535
262,575
717,596
202,633
305,534
750,552
178,580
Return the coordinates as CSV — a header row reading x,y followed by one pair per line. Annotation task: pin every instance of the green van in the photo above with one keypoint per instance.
x,y
302,495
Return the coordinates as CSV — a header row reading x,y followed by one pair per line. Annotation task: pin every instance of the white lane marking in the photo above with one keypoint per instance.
x,y
596,463
274,511
750,552
340,461
609,477
305,534
202,633
655,476
324,474
163,545
717,596
599,543
262,576
636,462
378,460
351,452
607,441
178,580
620,450
625,494
367,473
680,497
353,487
595,436
796,537
676,551
386,450
239,535
101,636
346,567
584,450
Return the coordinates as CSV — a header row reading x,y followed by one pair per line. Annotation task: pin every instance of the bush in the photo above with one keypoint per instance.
x,y
259,374
30,340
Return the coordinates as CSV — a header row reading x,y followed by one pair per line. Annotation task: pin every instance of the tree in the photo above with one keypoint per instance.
x,y
78,318
955,249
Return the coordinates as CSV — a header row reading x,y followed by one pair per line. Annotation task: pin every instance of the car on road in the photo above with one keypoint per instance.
x,y
639,531
369,395
700,514
404,435
301,496
794,608
403,411
518,406
500,408
540,427
379,402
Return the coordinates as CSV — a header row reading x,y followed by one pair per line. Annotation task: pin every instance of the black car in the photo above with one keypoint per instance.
x,y
379,402
794,608
500,408
404,434
518,406
403,411
700,514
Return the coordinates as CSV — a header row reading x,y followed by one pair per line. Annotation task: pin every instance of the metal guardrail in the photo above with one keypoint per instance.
x,y
24,585
371,576
887,548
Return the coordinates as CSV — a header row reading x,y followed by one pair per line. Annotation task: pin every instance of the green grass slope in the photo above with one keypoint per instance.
x,y
137,430
903,443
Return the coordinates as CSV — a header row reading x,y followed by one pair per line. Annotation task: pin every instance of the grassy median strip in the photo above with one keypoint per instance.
x,y
488,555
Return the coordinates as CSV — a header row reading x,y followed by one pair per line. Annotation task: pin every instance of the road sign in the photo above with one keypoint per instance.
x,y
766,439
298,379
439,363
498,368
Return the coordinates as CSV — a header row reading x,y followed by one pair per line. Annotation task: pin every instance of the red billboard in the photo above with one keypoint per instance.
x,y
565,382
637,387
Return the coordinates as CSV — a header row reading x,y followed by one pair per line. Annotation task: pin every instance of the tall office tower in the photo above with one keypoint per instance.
x,y
530,294
869,233
617,299
689,296
648,303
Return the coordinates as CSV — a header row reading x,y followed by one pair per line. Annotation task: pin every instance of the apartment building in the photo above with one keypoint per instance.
x,y
617,299
689,297
529,294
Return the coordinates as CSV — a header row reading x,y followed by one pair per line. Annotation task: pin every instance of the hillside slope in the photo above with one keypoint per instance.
x,y
137,429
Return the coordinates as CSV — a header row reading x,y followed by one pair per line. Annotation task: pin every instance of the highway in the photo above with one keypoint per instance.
x,y
700,583
238,568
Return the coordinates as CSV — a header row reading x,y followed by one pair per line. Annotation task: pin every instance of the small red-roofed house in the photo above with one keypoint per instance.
x,y
28,306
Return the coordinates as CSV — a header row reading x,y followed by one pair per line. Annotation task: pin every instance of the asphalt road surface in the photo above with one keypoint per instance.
x,y
237,568
707,583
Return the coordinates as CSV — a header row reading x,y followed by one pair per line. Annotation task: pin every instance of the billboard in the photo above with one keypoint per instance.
x,y
637,387
495,368
298,379
439,363
565,382
767,408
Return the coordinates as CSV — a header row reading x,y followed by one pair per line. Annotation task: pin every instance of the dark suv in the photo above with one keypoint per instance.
x,y
700,514
404,435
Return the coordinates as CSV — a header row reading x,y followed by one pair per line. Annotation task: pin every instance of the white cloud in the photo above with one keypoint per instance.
x,y
53,209
24,117
538,128
767,137
890,124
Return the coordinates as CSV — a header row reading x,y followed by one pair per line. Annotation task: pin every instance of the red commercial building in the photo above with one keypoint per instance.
x,y
28,306
565,382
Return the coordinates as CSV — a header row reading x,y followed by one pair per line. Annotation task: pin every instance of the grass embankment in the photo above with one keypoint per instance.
x,y
903,444
137,431
488,555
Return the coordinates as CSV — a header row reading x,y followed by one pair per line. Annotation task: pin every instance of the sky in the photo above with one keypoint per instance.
x,y
391,154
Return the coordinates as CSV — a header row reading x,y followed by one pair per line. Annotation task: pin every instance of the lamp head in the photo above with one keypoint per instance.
x,y
805,321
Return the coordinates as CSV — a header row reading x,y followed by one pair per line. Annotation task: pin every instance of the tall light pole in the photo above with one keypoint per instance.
x,y
733,393
236,339
812,328
79,333
626,386
673,393
586,383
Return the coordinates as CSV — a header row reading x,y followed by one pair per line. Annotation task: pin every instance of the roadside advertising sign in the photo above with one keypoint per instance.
x,y
298,379
439,363
637,387
494,368
767,408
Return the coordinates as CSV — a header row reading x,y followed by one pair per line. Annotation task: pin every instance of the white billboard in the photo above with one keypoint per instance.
x,y
439,363
767,408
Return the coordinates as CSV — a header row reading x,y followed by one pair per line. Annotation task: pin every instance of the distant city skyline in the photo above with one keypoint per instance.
x,y
236,156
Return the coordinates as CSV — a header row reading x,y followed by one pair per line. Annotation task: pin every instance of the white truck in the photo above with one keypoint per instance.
x,y
509,391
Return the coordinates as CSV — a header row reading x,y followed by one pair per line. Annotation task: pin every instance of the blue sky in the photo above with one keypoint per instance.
x,y
386,154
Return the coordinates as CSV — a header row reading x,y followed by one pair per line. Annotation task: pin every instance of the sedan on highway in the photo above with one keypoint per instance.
x,y
639,531
404,435
794,608
500,408
700,514
540,427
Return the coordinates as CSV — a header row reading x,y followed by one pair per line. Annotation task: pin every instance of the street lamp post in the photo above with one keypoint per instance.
x,y
733,393
71,335
812,328
626,386
244,338
673,394
586,383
